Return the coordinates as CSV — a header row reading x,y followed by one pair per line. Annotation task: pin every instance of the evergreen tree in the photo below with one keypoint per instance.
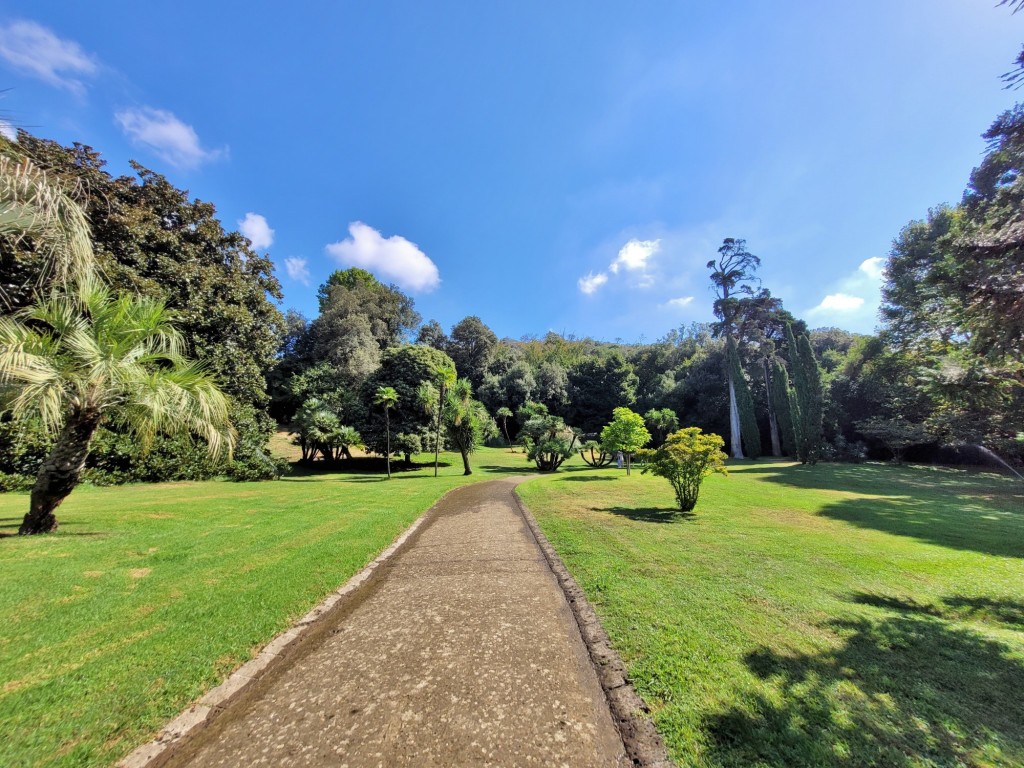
x,y
808,398
749,430
782,396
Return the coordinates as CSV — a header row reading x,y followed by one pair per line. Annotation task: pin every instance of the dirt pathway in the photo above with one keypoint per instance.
x,y
464,653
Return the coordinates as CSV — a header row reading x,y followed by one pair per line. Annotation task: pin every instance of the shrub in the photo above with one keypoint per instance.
x,y
685,459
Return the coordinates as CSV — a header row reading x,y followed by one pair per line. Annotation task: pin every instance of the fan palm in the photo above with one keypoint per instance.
x,y
82,358
35,207
386,397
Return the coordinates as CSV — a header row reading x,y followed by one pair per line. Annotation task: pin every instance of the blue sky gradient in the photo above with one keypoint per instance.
x,y
491,158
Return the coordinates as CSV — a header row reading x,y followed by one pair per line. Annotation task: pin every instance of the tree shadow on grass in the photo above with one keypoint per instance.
x,y
650,514
997,611
979,512
907,689
587,479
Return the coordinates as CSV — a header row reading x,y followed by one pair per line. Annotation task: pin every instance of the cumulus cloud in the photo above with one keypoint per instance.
x,y
873,267
297,269
35,50
838,302
634,255
682,301
393,258
591,282
255,227
171,139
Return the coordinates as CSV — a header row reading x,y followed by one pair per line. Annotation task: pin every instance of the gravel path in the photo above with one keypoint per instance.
x,y
464,652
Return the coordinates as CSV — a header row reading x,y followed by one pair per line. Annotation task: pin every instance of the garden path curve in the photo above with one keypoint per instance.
x,y
463,652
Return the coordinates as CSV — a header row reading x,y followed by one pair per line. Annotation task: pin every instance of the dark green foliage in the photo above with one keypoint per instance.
x,y
660,422
807,403
744,402
782,396
404,368
467,423
471,345
596,387
151,239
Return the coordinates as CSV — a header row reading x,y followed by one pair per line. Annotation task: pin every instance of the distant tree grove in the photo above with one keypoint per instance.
x,y
945,370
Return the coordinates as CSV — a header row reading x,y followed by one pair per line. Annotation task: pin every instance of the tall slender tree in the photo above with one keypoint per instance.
x,y
444,378
732,275
386,397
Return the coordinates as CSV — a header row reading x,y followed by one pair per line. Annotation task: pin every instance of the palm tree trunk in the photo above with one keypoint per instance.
x,y
387,426
465,463
59,473
437,436
504,428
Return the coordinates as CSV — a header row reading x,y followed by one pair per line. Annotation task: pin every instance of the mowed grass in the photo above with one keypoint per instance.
x,y
149,595
835,615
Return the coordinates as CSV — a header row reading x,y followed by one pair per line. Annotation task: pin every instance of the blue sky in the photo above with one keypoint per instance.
x,y
565,166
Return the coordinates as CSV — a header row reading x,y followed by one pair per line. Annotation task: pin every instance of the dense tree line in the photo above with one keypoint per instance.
x,y
945,369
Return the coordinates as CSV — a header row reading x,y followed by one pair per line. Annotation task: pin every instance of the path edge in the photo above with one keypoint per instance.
x,y
275,655
644,746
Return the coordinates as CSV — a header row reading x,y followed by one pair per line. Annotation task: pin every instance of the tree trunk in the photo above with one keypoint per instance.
x,y
734,422
629,462
437,436
773,422
504,428
59,474
387,427
465,463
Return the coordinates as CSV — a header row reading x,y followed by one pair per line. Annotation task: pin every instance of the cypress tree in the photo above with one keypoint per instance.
x,y
813,401
807,400
782,396
749,430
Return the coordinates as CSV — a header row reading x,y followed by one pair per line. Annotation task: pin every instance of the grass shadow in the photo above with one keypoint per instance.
x,y
975,511
907,689
998,611
587,479
649,514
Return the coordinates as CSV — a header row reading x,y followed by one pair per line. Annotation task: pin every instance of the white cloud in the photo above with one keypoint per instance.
x,y
8,131
297,269
634,255
873,267
161,131
35,50
393,258
682,301
592,282
255,227
838,302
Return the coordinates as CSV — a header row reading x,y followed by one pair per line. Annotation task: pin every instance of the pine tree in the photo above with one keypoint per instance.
x,y
807,400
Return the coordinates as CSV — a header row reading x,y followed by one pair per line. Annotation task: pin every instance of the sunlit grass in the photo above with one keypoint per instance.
x,y
838,615
148,595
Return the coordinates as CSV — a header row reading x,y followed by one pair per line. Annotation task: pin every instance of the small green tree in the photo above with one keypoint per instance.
x,y
626,433
661,422
386,397
548,441
685,459
592,453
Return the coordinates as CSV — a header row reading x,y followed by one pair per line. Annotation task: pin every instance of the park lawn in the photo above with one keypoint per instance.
x,y
837,615
149,595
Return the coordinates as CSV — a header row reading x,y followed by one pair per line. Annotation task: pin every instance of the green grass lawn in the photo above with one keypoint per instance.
x,y
836,615
148,595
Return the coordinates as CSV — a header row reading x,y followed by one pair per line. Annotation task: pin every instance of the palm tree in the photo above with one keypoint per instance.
x,y
467,421
445,377
79,359
386,397
503,413
35,207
